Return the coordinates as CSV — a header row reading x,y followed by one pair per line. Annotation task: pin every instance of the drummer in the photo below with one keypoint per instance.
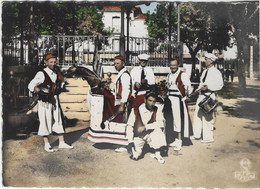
x,y
211,81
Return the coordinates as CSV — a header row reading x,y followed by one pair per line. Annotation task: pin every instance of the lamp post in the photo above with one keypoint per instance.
x,y
178,26
122,35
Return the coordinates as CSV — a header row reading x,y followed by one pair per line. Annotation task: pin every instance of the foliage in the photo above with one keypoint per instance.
x,y
244,19
158,22
49,18
159,88
203,28
227,94
10,19
230,62
200,26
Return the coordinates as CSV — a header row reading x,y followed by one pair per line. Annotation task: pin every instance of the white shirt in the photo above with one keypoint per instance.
x,y
136,75
214,79
184,78
126,83
146,117
39,78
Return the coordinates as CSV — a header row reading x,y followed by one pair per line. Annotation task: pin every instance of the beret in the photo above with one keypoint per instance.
x,y
174,58
49,56
143,57
210,56
120,58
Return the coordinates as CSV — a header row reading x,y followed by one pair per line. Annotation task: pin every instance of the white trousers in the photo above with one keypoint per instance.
x,y
155,140
176,111
202,123
50,118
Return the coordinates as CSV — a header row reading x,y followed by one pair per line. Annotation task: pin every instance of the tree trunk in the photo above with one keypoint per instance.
x,y
31,37
241,51
193,56
21,16
241,70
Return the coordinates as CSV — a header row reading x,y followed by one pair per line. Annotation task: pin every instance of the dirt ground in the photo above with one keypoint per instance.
x,y
233,160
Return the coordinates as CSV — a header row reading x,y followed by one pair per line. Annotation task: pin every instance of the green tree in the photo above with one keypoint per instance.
x,y
50,18
202,29
244,18
31,19
158,22
10,13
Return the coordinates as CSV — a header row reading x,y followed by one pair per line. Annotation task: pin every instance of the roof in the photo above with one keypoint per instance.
x,y
141,17
114,8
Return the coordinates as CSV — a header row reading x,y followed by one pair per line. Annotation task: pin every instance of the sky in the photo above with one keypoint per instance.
x,y
150,8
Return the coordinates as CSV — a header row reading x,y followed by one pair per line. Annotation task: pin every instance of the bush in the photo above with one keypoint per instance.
x,y
227,94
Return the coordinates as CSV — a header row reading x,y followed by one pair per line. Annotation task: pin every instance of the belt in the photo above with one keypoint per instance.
x,y
175,95
173,90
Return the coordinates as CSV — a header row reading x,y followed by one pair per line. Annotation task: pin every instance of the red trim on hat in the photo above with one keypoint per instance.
x,y
49,56
174,58
120,58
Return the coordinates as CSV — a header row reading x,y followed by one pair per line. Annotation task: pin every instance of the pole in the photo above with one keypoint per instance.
x,y
170,31
31,35
73,31
128,10
122,35
21,13
251,68
178,26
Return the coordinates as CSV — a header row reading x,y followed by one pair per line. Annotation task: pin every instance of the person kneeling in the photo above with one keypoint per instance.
x,y
145,125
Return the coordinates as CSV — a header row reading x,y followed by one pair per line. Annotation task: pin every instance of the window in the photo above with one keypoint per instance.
x,y
116,24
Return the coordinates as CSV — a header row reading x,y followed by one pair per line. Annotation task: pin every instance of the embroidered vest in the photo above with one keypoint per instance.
x,y
180,84
138,120
48,84
119,87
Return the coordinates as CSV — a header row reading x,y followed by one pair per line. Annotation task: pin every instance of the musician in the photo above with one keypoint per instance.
x,y
45,84
145,125
179,87
211,81
121,93
142,77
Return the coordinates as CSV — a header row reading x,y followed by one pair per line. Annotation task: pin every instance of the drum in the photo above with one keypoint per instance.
x,y
208,104
114,133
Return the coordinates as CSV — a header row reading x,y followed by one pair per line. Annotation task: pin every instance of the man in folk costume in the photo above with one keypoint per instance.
x,y
146,125
116,101
142,77
45,84
179,87
211,81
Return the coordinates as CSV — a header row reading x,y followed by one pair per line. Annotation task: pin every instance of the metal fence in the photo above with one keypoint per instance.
x,y
83,50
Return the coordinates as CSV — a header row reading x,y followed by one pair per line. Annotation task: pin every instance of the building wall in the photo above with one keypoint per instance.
x,y
137,27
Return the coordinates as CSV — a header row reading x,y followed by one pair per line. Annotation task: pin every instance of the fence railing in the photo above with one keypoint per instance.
x,y
72,50
83,50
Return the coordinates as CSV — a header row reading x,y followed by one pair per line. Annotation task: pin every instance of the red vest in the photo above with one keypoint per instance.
x,y
48,82
180,84
119,87
138,120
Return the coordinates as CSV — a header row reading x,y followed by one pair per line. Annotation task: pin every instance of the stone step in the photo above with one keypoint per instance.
x,y
74,101
84,116
77,82
76,107
72,98
76,89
